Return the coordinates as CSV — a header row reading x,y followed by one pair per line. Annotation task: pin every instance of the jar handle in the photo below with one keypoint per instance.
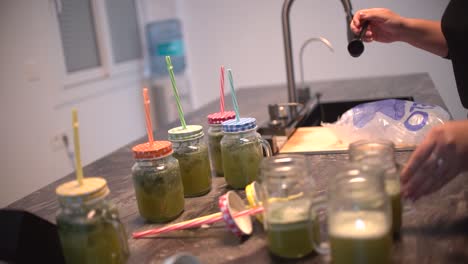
x,y
407,204
318,213
118,226
266,147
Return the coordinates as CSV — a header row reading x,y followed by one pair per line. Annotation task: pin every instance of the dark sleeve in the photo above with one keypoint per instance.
x,y
454,26
443,26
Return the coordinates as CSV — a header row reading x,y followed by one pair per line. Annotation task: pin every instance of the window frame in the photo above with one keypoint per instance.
x,y
108,67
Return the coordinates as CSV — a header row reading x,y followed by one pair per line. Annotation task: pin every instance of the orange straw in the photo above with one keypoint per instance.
x,y
149,126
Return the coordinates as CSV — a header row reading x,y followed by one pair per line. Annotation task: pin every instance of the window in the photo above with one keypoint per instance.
x,y
99,38
123,25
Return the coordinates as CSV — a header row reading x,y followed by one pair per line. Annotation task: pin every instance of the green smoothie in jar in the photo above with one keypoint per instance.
x,y
192,153
241,163
380,155
392,188
157,182
215,134
88,225
290,229
365,240
241,151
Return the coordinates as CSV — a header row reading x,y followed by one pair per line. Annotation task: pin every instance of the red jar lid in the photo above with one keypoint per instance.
x,y
150,151
219,117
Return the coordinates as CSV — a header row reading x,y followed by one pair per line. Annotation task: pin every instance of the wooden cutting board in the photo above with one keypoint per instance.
x,y
318,140
313,140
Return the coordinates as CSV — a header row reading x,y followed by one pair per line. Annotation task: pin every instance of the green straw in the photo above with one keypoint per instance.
x,y
233,93
176,93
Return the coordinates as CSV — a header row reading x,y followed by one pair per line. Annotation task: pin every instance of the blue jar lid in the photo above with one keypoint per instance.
x,y
245,123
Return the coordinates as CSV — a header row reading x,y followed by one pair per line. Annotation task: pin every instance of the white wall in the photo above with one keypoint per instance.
x,y
35,106
246,35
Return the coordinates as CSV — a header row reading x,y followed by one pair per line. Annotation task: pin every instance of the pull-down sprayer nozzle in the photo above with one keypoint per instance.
x,y
357,47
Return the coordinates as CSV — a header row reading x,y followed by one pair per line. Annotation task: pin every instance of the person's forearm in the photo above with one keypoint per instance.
x,y
424,34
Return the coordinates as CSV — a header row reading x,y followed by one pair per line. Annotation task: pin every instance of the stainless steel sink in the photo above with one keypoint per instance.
x,y
310,113
330,112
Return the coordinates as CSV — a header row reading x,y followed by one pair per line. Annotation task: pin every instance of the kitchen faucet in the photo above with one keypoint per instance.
x,y
292,97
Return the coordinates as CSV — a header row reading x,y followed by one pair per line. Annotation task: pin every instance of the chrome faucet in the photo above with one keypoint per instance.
x,y
292,97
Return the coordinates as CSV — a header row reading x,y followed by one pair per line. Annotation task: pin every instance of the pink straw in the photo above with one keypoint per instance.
x,y
204,220
221,96
149,126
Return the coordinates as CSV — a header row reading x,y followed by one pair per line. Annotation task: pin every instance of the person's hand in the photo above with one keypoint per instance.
x,y
384,25
440,157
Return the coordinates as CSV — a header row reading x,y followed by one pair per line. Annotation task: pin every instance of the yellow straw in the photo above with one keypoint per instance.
x,y
76,138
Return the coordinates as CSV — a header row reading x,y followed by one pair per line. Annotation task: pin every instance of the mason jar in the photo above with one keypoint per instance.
x,y
381,154
287,195
192,153
358,220
241,151
157,182
215,134
88,224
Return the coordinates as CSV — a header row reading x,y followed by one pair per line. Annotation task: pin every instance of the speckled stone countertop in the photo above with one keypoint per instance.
x,y
436,231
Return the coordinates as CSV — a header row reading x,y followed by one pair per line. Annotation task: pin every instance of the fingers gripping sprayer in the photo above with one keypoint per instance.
x,y
355,44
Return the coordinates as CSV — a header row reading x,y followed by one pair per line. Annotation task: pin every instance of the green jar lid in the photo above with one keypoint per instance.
x,y
190,132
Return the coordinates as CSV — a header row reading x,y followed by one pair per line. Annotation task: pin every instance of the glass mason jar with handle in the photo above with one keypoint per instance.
x,y
241,151
192,153
358,220
381,154
157,182
287,195
215,134
88,224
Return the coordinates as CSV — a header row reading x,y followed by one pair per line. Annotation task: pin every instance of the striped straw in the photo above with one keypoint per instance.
x,y
170,68
204,220
221,96
149,126
233,94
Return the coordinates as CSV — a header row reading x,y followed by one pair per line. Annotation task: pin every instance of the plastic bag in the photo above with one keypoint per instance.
x,y
403,122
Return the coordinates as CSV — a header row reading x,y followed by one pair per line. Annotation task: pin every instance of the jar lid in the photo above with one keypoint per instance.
x,y
245,123
253,194
151,151
229,205
220,117
91,188
181,134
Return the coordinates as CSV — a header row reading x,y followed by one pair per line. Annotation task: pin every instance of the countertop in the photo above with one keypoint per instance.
x,y
436,231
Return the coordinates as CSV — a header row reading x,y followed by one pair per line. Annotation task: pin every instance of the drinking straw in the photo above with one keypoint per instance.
x,y
76,138
233,94
204,220
221,96
155,231
149,126
170,68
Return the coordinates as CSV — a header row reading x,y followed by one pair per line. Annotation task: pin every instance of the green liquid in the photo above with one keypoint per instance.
x,y
160,195
393,191
96,241
214,145
290,229
290,240
240,163
195,171
360,240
